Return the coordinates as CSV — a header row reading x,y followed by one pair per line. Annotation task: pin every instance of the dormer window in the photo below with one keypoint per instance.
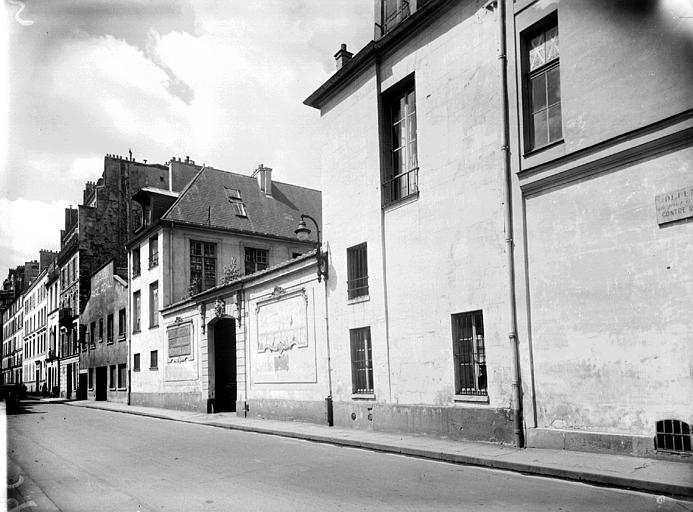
x,y
236,201
393,12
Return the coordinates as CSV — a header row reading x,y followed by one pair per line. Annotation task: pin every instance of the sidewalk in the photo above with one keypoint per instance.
x,y
648,475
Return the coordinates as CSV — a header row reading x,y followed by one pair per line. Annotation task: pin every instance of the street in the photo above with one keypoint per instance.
x,y
86,459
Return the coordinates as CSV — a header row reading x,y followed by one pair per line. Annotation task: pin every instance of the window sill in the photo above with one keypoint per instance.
x,y
111,389
393,205
357,300
363,396
121,338
472,398
135,369
136,331
153,327
109,342
535,151
154,368
122,389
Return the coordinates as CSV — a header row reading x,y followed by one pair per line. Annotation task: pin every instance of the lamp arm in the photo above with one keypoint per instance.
x,y
317,227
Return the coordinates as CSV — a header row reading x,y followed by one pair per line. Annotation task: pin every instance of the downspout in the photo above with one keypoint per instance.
x,y
328,400
516,404
128,321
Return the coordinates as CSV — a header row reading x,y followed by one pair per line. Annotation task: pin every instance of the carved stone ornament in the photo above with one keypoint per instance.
x,y
278,291
219,307
203,315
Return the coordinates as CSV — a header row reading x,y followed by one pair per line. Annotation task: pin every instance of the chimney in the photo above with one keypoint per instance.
x,y
342,56
264,178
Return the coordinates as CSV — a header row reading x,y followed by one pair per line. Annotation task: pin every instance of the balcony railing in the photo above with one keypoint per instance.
x,y
401,186
154,260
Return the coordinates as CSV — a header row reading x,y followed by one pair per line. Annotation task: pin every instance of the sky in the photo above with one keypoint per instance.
x,y
221,82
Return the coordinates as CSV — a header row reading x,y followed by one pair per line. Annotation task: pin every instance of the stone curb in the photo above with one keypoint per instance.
x,y
593,478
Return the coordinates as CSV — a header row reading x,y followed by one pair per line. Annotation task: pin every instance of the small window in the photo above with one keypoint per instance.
x,y
673,436
112,376
122,323
154,360
401,170
256,260
92,334
154,304
91,378
136,263
469,353
236,201
136,363
136,311
153,251
361,361
357,271
543,85
109,328
122,376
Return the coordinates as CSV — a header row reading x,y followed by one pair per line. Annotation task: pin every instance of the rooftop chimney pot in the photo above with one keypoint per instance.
x,y
342,56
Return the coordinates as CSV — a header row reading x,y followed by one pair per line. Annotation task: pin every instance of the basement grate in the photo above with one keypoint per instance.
x,y
673,436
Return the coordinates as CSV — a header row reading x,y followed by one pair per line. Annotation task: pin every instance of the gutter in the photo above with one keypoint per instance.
x,y
518,432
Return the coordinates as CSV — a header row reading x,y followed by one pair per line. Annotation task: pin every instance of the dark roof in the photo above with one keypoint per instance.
x,y
205,202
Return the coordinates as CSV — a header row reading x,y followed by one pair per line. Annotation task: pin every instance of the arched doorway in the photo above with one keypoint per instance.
x,y
222,358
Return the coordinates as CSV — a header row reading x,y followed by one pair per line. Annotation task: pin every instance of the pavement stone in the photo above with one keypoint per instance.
x,y
649,475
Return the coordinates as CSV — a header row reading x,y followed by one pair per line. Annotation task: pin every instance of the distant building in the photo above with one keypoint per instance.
x,y
221,226
95,232
104,353
35,335
13,341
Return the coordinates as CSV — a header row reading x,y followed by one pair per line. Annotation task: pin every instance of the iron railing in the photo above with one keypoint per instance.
x,y
401,186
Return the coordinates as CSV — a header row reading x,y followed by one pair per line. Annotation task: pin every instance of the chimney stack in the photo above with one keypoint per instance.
x,y
343,56
264,179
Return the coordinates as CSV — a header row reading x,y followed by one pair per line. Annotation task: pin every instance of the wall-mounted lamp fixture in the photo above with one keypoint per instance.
x,y
303,233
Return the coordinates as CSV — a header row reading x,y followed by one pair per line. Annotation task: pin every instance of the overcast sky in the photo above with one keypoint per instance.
x,y
222,82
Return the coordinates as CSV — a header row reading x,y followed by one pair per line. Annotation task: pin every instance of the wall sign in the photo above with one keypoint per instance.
x,y
180,340
675,205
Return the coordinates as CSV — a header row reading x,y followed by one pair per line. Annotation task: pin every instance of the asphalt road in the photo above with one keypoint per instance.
x,y
87,459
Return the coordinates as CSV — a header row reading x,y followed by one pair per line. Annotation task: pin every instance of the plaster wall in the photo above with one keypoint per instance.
x,y
610,293
428,258
287,347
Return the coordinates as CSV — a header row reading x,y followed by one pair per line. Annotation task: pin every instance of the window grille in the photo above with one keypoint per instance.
x,y
673,436
357,271
361,360
469,353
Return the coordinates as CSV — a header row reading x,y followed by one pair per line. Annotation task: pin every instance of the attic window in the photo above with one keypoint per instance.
x,y
236,201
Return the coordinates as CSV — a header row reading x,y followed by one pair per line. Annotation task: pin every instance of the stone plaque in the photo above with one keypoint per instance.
x,y
180,340
674,205
282,325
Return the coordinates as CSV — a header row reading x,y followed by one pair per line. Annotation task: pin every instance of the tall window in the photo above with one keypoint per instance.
x,y
401,177
357,271
92,333
256,260
109,328
121,323
203,265
544,88
112,376
100,330
153,359
136,363
394,12
153,251
122,376
154,304
136,263
469,353
361,361
136,311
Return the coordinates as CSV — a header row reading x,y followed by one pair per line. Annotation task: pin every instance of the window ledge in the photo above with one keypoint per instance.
x,y
154,368
393,205
135,369
153,327
109,342
122,389
121,338
535,151
471,398
363,396
357,300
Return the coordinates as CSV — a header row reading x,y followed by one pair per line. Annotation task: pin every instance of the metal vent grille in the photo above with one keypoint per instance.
x,y
673,436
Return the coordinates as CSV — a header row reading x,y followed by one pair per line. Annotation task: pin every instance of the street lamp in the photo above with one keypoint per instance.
x,y
303,234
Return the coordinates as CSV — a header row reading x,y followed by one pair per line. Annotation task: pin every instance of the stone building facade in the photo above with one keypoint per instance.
x,y
104,354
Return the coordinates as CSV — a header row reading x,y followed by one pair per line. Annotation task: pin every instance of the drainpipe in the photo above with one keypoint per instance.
x,y
518,433
328,400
